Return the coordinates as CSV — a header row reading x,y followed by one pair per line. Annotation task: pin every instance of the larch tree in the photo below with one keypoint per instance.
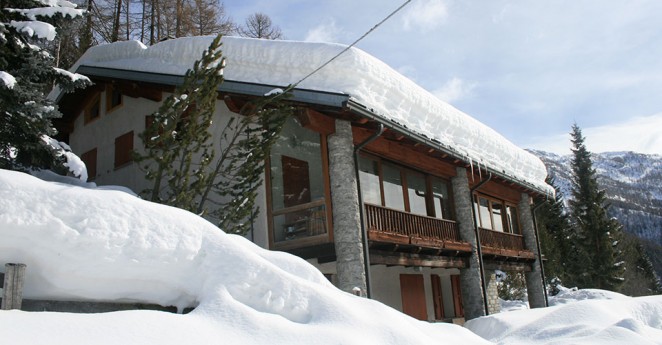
x,y
259,25
27,72
598,234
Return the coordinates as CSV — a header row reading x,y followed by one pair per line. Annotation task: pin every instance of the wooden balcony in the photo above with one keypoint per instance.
x,y
503,244
403,230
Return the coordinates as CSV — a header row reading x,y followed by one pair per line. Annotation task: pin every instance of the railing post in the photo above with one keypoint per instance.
x,y
12,293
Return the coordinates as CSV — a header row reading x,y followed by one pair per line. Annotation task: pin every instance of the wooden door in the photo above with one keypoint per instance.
x,y
457,296
413,296
437,299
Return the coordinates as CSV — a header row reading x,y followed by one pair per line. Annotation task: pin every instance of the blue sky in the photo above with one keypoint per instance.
x,y
528,69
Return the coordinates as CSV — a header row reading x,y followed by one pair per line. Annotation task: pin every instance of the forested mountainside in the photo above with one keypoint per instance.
x,y
633,184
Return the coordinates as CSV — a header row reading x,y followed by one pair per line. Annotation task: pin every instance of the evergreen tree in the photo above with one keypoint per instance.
x,y
180,158
26,73
178,142
558,241
598,234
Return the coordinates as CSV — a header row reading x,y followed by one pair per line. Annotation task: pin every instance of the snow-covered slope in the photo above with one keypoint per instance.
x,y
85,243
355,73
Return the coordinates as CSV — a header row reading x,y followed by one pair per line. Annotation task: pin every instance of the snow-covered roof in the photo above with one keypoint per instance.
x,y
361,76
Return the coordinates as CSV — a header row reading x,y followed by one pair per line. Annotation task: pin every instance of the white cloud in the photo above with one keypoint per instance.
x,y
454,90
324,32
424,15
641,134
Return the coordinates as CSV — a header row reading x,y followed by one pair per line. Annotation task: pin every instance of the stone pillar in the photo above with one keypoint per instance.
x,y
493,305
470,279
534,286
346,220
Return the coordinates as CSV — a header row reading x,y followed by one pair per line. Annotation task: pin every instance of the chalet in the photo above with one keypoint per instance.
x,y
376,182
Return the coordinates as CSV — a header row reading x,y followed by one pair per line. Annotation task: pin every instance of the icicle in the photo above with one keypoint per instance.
x,y
471,163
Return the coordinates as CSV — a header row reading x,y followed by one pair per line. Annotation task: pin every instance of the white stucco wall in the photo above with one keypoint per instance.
x,y
130,116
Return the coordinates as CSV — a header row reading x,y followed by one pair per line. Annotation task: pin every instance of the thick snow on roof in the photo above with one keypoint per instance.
x,y
366,79
91,244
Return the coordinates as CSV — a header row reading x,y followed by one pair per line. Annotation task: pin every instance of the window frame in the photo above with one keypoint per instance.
x,y
429,198
90,159
505,221
95,101
271,213
124,157
110,89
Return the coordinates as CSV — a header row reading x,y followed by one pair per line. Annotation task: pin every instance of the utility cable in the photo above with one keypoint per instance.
x,y
349,46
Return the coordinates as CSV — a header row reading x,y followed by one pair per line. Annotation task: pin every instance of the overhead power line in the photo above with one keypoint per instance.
x,y
351,45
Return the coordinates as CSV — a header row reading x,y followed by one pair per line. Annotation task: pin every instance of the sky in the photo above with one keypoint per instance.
x,y
528,69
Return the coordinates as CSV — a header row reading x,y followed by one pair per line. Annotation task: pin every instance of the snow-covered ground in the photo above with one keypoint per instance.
x,y
81,242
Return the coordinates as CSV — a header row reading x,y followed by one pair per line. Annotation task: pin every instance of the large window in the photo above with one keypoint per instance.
x,y
297,179
493,214
390,185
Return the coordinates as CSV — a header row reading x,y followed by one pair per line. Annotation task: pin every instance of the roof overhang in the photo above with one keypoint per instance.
x,y
327,99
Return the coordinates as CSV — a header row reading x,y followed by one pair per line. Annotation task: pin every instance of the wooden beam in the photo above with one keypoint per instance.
x,y
408,259
231,104
316,121
507,266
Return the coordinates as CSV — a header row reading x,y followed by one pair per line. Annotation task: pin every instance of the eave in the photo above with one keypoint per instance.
x,y
338,101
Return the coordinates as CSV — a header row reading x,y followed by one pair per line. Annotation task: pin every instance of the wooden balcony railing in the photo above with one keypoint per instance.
x,y
407,225
501,240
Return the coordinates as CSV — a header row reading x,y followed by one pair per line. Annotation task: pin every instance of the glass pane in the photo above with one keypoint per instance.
x,y
300,224
513,220
416,190
497,216
441,199
393,196
369,175
484,210
296,179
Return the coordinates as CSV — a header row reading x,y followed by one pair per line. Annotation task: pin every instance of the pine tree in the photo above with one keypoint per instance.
x,y
182,163
597,233
178,142
27,72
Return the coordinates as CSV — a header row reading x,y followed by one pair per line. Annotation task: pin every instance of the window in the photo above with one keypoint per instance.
x,y
493,214
298,185
113,97
90,160
393,186
93,110
513,220
123,149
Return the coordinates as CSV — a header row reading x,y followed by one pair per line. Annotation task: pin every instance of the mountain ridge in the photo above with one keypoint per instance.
x,y
633,186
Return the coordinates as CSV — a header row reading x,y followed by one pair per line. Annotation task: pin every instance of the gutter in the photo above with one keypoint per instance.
x,y
364,231
360,109
479,247
542,268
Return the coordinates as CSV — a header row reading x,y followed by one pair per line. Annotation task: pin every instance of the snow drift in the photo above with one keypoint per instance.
x,y
90,244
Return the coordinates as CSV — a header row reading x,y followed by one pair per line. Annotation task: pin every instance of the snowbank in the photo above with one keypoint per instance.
x,y
578,317
82,243
355,73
